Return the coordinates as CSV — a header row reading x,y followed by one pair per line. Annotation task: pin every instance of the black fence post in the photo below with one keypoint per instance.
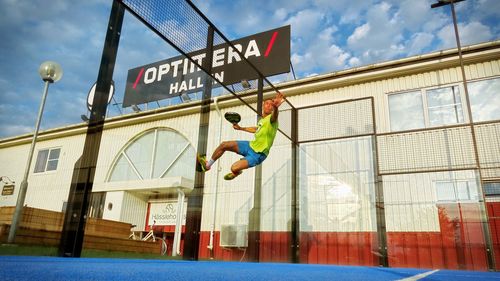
x,y
83,174
195,198
254,216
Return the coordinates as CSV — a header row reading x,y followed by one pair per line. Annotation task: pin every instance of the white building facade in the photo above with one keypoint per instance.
x,y
390,165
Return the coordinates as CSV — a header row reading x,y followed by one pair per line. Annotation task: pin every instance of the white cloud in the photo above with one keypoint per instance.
x,y
353,62
483,9
323,54
360,33
20,121
306,23
297,59
350,11
473,32
414,15
336,56
375,39
14,130
418,42
327,34
280,14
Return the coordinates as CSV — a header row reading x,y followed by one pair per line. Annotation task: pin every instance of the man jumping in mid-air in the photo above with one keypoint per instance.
x,y
254,152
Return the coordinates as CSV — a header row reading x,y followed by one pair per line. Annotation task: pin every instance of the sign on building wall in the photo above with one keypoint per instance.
x,y
268,51
8,189
165,213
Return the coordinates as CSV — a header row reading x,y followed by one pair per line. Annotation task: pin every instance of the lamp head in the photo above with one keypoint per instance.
x,y
440,3
245,84
50,71
136,108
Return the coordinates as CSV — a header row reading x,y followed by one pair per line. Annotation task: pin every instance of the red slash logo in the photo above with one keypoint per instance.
x,y
138,77
271,43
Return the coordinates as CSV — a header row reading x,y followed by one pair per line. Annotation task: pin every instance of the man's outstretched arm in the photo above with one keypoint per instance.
x,y
277,101
246,129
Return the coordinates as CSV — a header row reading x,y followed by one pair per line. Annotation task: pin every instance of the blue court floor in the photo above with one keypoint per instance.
x,y
55,268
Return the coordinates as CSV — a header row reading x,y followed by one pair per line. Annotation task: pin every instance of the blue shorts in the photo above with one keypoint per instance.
x,y
253,158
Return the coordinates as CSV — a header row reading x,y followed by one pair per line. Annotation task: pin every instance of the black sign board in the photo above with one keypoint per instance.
x,y
268,51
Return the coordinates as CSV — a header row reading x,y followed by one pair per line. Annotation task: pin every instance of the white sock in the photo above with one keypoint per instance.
x,y
210,163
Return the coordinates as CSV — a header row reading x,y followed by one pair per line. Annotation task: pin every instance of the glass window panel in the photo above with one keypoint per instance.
x,y
444,106
406,111
52,165
485,99
140,153
492,188
41,160
337,190
172,149
445,191
463,191
473,191
183,167
54,154
123,171
169,146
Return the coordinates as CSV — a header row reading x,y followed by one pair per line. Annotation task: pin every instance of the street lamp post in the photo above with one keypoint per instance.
x,y
484,214
459,47
50,72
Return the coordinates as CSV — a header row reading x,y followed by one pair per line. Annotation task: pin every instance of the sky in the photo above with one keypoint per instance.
x,y
326,36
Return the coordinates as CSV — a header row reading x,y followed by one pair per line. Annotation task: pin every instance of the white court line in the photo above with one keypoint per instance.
x,y
419,276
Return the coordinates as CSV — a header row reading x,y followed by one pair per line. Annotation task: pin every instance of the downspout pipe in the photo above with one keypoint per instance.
x,y
214,211
178,223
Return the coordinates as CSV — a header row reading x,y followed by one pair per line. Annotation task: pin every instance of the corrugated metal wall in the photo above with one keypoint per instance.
x,y
134,210
47,190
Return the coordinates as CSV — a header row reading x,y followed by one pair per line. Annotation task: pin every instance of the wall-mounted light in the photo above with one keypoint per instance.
x,y
136,108
84,118
185,97
245,84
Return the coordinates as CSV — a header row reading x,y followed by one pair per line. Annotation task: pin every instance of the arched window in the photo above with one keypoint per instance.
x,y
156,153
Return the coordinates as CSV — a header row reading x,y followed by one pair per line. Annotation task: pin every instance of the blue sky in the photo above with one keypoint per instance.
x,y
327,36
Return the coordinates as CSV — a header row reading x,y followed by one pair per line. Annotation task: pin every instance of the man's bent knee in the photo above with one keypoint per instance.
x,y
229,146
239,166
224,145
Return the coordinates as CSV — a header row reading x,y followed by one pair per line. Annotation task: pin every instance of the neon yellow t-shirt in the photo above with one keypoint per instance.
x,y
264,136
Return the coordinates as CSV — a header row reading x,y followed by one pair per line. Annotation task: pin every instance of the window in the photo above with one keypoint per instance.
x,y
157,153
492,189
453,191
485,99
47,160
444,106
406,111
425,108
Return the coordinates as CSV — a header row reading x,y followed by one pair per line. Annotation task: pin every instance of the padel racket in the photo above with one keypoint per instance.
x,y
232,117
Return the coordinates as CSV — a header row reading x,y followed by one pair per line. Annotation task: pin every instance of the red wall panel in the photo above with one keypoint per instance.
x,y
494,223
349,248
459,244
